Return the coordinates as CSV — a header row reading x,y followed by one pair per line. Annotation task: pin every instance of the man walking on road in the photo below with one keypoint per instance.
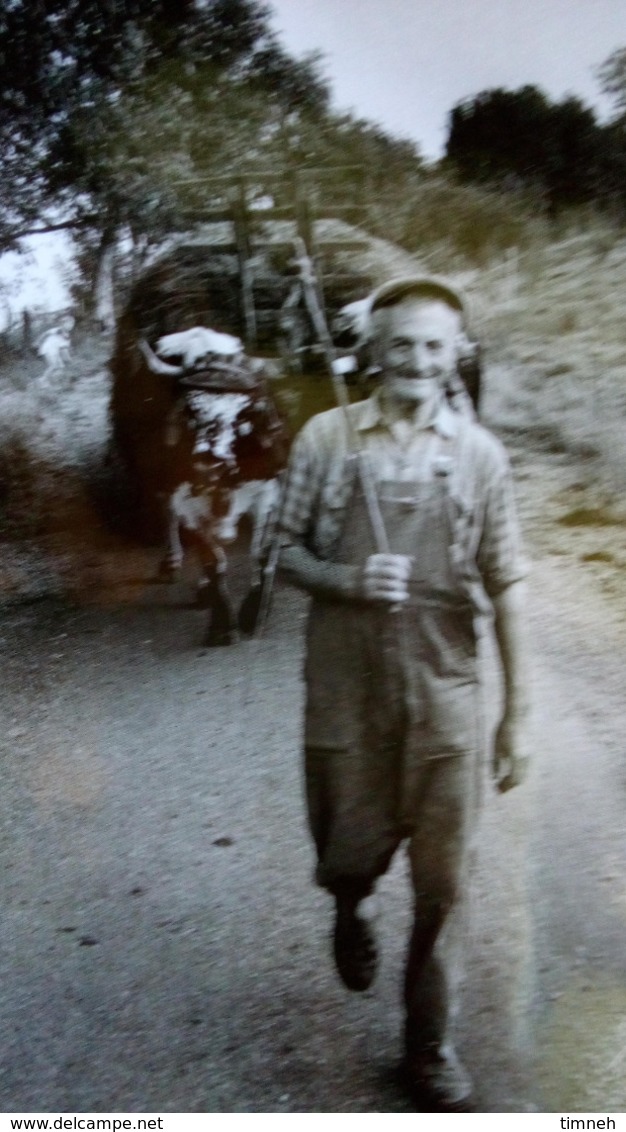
x,y
393,724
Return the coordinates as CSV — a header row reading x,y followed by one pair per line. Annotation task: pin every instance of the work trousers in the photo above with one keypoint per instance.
x,y
438,845
392,731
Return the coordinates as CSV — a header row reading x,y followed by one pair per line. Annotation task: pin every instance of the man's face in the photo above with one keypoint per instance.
x,y
417,349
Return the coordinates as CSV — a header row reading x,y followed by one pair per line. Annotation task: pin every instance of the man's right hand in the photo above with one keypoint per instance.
x,y
386,578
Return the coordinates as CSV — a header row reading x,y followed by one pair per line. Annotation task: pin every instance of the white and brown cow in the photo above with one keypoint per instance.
x,y
224,449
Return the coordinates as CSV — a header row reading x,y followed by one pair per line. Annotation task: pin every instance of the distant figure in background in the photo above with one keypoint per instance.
x,y
55,346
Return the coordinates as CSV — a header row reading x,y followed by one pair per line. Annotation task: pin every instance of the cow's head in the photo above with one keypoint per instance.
x,y
217,421
217,374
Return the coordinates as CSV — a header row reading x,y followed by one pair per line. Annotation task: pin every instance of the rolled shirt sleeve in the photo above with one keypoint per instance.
x,y
308,526
301,490
500,557
318,484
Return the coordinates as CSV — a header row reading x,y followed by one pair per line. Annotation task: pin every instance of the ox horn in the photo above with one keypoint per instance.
x,y
155,364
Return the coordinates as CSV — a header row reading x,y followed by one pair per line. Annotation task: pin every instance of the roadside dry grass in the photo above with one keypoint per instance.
x,y
552,325
555,341
52,450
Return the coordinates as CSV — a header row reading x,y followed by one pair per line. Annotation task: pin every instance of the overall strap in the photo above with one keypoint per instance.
x,y
461,515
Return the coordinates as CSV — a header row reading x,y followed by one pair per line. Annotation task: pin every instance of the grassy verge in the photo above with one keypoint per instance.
x,y
552,322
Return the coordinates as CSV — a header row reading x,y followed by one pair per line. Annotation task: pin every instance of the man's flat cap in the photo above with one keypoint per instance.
x,y
422,286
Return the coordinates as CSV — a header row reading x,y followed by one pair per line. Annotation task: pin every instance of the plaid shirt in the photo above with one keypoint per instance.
x,y
320,482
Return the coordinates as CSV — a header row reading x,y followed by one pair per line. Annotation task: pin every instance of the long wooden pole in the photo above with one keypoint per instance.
x,y
242,237
314,307
318,318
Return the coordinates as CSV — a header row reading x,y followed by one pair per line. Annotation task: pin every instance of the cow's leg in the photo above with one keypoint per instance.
x,y
261,513
172,561
215,597
251,605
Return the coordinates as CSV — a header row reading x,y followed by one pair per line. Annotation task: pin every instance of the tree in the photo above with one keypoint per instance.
x,y
612,77
573,154
116,115
499,133
520,138
107,107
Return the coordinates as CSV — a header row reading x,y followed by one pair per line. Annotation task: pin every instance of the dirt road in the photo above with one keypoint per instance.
x,y
163,947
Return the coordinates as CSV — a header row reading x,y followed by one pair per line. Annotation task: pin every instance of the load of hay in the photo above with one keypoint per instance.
x,y
195,281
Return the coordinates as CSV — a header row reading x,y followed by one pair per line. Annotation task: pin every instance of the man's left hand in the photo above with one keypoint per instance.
x,y
511,756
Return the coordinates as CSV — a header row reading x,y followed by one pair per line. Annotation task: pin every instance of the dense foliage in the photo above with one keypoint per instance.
x,y
115,116
612,76
106,104
519,139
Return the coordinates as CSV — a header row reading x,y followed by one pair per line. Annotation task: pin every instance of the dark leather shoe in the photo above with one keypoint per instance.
x,y
438,1078
354,942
